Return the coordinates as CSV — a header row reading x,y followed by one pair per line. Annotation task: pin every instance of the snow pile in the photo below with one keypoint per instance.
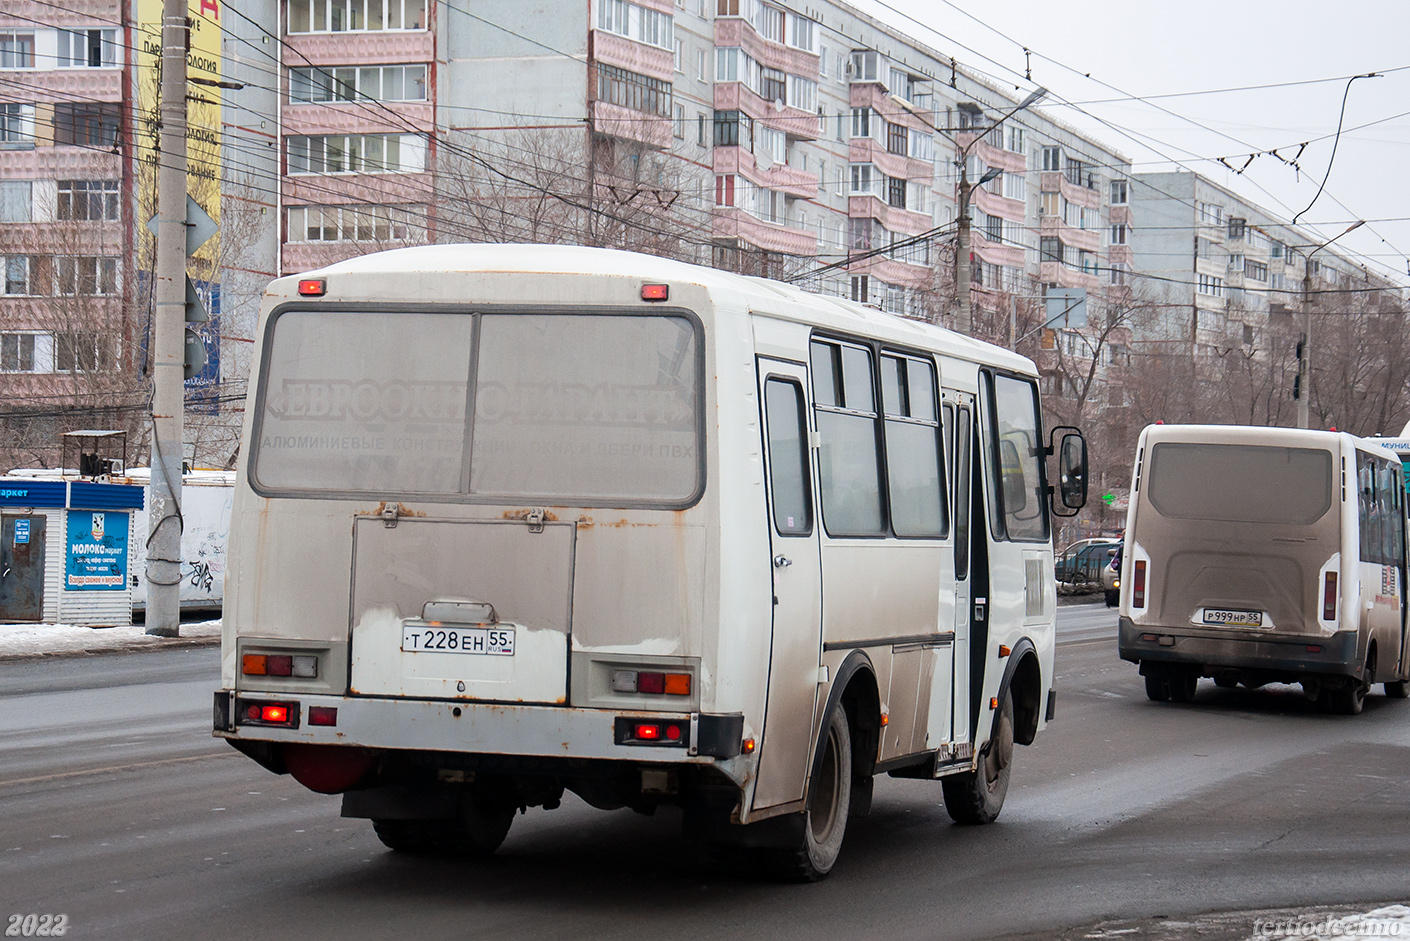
x,y
1393,921
37,640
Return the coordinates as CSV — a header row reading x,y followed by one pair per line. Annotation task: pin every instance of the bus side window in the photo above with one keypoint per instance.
x,y
964,436
915,483
788,457
849,479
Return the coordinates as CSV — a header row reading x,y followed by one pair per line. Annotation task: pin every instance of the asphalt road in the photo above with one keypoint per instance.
x,y
118,810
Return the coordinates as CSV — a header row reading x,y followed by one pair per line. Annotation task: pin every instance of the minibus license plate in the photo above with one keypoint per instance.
x,y
1223,616
488,641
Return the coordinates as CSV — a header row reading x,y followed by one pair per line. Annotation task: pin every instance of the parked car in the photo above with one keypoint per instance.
x,y
1111,578
1081,563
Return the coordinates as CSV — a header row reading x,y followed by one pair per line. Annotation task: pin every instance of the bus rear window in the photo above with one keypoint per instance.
x,y
565,408
1240,482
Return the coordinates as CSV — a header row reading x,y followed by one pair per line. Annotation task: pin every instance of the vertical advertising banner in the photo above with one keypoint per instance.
x,y
97,551
203,147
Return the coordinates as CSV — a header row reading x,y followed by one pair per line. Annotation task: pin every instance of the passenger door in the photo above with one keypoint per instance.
x,y
796,648
959,439
22,544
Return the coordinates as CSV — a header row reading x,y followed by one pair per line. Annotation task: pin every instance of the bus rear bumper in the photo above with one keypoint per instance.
x,y
1212,651
506,729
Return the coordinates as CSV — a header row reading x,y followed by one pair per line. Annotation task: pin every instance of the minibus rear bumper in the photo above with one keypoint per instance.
x,y
476,727
1213,650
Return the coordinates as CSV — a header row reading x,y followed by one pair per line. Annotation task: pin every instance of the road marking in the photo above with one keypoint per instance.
x,y
1083,643
110,768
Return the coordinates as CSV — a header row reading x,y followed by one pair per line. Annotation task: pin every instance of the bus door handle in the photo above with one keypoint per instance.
x,y
782,561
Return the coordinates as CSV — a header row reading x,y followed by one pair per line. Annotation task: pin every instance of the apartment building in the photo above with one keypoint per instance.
x,y
1229,273
65,296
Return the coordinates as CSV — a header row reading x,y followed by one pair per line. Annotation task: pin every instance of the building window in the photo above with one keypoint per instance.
x,y
630,90
801,35
700,129
87,201
678,122
1052,158
1119,272
1118,192
865,66
1256,270
16,123
80,352
15,201
1238,228
726,7
1015,138
84,275
1049,249
357,153
724,189
355,223
768,21
822,62
16,274
16,50
897,140
1208,284
349,83
1118,234
1050,204
17,352
1015,187
87,125
1209,213
994,229
896,192
860,286
87,48
636,22
859,233
772,143
338,16
772,85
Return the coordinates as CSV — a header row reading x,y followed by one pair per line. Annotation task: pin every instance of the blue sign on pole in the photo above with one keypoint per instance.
x,y
97,551
21,532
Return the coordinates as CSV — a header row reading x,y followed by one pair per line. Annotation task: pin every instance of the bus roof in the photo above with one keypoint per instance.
x,y
1263,435
793,303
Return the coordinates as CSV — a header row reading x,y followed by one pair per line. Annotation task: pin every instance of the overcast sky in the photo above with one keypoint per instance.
x,y
1149,48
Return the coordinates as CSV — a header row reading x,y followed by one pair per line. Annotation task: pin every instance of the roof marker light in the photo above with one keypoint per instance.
x,y
312,287
655,292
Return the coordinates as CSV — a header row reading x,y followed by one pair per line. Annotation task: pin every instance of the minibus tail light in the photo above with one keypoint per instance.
x,y
1329,597
1138,585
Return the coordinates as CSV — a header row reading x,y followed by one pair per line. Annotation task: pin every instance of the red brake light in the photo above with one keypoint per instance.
x,y
322,715
279,665
655,292
1329,598
651,682
312,287
1138,585
673,732
648,733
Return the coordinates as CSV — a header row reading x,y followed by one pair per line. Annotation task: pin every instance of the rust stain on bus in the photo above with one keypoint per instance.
x,y
402,510
548,517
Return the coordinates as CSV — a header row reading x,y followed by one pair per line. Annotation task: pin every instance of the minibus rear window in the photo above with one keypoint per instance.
x,y
581,409
1240,482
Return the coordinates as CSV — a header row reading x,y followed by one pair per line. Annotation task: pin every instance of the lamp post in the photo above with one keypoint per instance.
x,y
964,323
1304,361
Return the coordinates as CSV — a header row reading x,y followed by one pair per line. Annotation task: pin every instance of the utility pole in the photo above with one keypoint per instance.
x,y
1303,389
168,344
964,323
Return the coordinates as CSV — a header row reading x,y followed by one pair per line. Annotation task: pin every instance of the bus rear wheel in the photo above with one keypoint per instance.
x,y
479,830
1157,684
1399,689
977,796
829,798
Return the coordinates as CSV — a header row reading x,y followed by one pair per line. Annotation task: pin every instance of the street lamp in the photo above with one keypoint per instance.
x,y
965,321
1304,360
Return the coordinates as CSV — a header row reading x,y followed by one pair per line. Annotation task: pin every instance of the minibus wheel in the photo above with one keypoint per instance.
x,y
486,814
1399,689
829,796
1157,684
1183,682
977,796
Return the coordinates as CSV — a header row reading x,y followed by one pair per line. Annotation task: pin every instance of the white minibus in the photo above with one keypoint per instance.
x,y
1265,555
517,519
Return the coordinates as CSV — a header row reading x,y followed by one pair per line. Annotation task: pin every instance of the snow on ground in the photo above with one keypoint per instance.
x,y
39,640
1393,921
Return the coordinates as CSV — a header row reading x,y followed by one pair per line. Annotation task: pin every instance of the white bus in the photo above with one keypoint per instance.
x,y
1265,555
519,519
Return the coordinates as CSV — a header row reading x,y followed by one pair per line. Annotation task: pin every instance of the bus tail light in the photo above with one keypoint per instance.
x,y
650,682
1329,597
1138,585
259,664
671,733
271,713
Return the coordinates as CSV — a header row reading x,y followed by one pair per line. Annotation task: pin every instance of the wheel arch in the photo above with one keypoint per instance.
x,y
1023,677
854,688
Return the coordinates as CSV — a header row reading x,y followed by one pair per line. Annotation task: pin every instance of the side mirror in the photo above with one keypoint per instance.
x,y
1072,471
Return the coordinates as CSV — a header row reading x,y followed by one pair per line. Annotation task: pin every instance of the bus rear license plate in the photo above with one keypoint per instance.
x,y
485,641
1222,616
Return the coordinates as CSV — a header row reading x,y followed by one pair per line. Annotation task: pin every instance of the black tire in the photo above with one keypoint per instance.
x,y
1183,684
1398,689
1226,681
484,823
1157,684
1113,598
1345,700
977,796
825,820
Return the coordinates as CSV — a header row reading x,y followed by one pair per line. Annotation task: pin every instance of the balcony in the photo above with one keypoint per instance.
x,y
894,219
734,31
870,150
641,58
780,176
1052,181
992,156
1089,240
736,224
360,48
393,117
795,122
